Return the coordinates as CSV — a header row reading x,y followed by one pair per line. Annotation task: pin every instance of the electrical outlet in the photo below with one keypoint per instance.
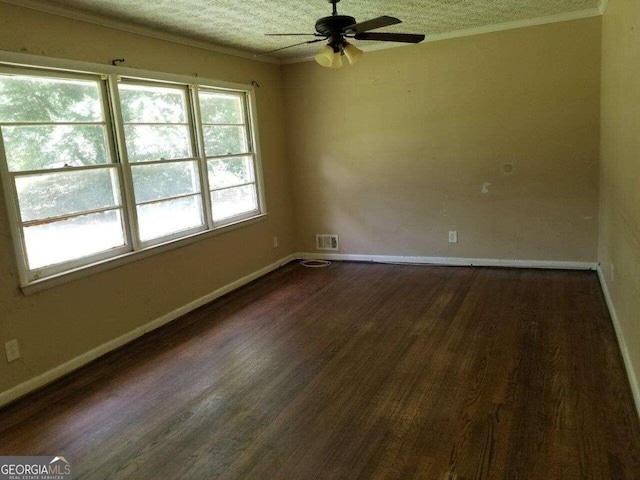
x,y
453,236
275,242
12,350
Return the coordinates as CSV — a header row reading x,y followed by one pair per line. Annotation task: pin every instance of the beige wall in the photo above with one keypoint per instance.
x,y
393,152
390,154
619,251
61,323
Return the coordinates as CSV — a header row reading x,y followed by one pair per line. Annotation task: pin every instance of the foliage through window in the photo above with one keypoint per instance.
x,y
160,146
54,132
230,162
91,177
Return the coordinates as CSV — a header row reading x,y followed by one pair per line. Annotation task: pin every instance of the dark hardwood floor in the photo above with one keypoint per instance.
x,y
355,371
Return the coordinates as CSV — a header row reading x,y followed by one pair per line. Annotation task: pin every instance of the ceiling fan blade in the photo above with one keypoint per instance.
x,y
372,24
292,34
391,37
289,46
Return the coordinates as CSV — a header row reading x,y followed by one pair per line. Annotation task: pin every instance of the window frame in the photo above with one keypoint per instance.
x,y
124,158
109,77
34,274
251,152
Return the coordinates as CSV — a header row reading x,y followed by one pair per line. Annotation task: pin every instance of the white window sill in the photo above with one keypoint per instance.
x,y
129,257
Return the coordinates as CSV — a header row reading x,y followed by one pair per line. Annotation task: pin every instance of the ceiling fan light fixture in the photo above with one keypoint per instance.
x,y
352,53
330,56
337,28
325,57
336,59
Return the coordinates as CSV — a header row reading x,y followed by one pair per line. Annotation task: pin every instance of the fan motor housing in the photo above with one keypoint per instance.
x,y
334,25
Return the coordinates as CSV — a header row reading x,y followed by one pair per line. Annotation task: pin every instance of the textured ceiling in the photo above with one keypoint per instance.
x,y
242,23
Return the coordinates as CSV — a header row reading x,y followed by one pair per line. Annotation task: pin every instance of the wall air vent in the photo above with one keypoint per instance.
x,y
327,242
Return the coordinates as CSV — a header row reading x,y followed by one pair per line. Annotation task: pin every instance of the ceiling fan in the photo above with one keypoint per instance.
x,y
338,28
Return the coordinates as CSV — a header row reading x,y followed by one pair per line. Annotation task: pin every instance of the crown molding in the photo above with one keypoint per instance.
x,y
603,6
125,26
530,22
129,27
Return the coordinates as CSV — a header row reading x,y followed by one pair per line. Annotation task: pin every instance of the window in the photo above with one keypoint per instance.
x,y
61,163
230,159
95,167
160,148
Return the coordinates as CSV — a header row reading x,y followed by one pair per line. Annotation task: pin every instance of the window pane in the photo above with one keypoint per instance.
x,y
220,108
225,140
155,142
228,172
33,99
164,218
146,104
158,181
65,193
46,146
233,201
78,237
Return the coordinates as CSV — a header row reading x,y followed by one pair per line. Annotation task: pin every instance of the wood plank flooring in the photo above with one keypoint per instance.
x,y
356,371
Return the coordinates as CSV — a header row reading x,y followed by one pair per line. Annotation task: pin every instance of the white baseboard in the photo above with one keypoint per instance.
x,y
633,379
452,261
77,362
485,262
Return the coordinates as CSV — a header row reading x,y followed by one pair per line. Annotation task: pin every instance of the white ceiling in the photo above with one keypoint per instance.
x,y
241,24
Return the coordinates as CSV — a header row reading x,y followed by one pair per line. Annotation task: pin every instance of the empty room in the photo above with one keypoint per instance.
x,y
298,239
